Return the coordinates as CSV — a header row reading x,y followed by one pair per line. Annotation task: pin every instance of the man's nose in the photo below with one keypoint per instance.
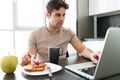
x,y
62,18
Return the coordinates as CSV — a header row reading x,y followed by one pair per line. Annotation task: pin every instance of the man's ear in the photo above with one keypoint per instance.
x,y
47,15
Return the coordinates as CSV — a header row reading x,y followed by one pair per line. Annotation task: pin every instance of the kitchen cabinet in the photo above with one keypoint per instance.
x,y
104,7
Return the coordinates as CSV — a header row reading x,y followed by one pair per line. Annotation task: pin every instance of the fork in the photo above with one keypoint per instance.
x,y
50,73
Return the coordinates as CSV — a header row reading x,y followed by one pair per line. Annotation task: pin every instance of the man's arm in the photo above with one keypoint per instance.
x,y
85,52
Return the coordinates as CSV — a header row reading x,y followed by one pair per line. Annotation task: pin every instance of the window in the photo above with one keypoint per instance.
x,y
30,13
19,17
6,42
6,14
70,19
6,26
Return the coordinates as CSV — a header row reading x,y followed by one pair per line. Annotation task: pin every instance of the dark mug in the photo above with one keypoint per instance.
x,y
53,54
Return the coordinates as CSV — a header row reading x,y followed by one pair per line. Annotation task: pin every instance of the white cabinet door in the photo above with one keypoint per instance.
x,y
118,4
111,5
97,7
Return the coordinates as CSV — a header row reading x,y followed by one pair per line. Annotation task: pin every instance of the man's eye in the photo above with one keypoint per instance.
x,y
58,15
63,14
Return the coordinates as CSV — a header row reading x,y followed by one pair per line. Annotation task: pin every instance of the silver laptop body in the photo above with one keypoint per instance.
x,y
109,61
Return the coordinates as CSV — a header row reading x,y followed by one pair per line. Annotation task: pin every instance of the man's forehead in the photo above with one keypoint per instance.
x,y
60,11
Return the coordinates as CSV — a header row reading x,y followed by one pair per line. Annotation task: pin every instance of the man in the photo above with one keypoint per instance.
x,y
53,34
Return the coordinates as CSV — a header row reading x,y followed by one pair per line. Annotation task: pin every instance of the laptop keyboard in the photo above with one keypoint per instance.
x,y
90,70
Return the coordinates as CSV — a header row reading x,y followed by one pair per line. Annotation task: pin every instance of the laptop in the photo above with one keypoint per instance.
x,y
108,63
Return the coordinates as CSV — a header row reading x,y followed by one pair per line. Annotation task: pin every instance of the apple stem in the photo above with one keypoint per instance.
x,y
8,53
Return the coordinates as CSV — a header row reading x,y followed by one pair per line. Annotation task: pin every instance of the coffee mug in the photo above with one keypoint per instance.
x,y
54,53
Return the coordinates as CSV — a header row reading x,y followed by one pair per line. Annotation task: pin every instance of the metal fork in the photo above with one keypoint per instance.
x,y
50,73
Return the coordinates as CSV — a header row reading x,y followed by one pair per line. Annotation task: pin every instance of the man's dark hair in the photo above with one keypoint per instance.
x,y
56,4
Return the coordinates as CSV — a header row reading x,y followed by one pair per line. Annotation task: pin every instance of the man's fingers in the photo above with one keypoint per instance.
x,y
93,59
98,53
95,56
25,60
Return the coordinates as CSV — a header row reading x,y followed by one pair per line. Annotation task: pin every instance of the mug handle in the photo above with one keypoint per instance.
x,y
61,50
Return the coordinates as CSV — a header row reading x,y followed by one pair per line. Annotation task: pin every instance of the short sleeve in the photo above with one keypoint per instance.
x,y
32,41
73,36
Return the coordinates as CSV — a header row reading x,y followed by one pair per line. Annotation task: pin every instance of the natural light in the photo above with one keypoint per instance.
x,y
19,17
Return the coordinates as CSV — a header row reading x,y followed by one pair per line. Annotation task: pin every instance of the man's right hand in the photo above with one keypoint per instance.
x,y
26,59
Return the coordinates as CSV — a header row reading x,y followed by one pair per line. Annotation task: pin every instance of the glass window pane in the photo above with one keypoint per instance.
x,y
6,42
6,14
70,19
30,13
21,41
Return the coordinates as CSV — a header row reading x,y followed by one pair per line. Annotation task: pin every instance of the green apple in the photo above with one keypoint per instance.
x,y
9,63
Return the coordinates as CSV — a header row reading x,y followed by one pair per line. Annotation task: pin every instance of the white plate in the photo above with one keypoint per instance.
x,y
54,68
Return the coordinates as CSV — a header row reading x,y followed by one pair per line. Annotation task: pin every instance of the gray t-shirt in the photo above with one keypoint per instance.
x,y
41,39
